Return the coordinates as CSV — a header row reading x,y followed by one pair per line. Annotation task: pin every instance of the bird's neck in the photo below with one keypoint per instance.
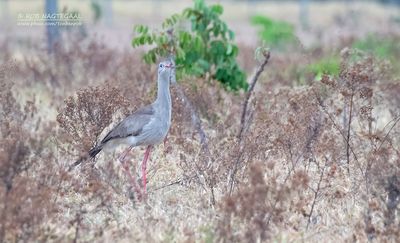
x,y
163,100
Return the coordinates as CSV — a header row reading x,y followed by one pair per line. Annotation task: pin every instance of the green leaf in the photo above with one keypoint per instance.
x,y
277,34
204,47
229,49
218,9
153,57
203,64
180,54
199,4
133,43
142,40
145,29
149,40
162,40
216,30
231,34
198,44
138,28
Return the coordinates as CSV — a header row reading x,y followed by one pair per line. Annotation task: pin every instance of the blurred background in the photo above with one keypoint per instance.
x,y
315,22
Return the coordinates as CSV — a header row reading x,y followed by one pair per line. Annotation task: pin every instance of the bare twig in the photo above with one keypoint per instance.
x,y
277,199
348,133
387,134
243,119
203,139
316,192
4,217
195,120
369,163
260,69
322,105
176,182
78,225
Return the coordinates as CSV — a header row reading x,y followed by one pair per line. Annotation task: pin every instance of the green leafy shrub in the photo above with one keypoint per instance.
x,y
380,47
204,49
329,65
384,48
276,34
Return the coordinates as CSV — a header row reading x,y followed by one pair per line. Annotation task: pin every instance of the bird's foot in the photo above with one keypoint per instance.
x,y
134,184
138,192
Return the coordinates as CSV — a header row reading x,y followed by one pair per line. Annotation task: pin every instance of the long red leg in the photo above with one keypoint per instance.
x,y
165,144
125,166
144,162
165,140
123,155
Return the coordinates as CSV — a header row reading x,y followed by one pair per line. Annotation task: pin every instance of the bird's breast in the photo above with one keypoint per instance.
x,y
155,131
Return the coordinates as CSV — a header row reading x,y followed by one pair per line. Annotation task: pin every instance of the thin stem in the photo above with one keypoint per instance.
x,y
348,133
78,224
260,69
320,103
243,123
203,139
387,134
3,216
316,192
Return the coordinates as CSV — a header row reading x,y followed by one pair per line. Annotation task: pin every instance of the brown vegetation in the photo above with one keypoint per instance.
x,y
312,162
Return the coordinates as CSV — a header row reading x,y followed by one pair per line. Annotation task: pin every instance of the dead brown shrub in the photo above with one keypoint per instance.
x,y
85,116
26,203
264,202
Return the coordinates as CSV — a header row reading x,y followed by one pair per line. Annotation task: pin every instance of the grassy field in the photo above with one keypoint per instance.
x,y
319,159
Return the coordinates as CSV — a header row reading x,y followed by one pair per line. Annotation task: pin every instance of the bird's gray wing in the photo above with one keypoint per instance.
x,y
132,125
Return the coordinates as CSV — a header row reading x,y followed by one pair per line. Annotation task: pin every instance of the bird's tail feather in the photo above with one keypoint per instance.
x,y
90,155
94,151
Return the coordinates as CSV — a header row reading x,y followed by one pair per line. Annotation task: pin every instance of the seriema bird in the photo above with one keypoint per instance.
x,y
147,126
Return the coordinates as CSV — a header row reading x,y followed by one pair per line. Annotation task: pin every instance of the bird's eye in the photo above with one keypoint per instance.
x,y
161,65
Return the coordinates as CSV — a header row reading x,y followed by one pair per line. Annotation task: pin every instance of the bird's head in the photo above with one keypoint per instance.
x,y
166,71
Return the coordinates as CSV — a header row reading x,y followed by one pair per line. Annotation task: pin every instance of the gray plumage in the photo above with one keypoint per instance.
x,y
148,125
131,125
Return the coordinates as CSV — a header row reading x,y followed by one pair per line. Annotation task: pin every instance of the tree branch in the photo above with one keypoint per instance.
x,y
253,82
243,119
